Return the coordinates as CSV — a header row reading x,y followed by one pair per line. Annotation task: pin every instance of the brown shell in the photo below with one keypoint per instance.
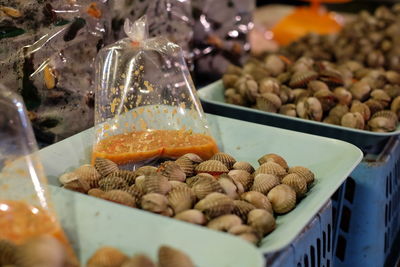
x,y
224,222
297,183
261,220
282,198
193,157
245,232
310,108
304,172
128,176
107,256
96,192
139,183
228,187
258,200
327,99
225,158
288,110
112,182
229,80
381,96
374,106
383,121
88,173
243,165
180,199
395,106
7,253
139,260
78,185
192,216
268,102
269,85
146,170
339,111
343,96
156,183
68,177
211,166
242,208
192,180
186,165
105,166
172,171
353,120
154,202
316,86
274,158
361,108
120,197
243,177
134,191
300,79
204,186
271,168
170,257
360,90
215,204
176,184
263,183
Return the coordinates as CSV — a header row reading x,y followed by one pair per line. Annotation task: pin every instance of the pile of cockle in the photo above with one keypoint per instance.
x,y
221,193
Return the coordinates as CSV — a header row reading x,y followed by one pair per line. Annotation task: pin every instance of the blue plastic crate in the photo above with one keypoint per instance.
x,y
313,247
367,210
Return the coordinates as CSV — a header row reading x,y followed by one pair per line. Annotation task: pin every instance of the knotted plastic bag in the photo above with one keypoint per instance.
x,y
26,215
146,105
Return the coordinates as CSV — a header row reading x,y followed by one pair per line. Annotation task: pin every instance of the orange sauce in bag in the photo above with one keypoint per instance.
x,y
144,145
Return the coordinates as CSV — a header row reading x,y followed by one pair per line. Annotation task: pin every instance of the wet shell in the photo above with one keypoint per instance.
x,y
327,99
245,232
229,187
263,183
286,94
300,79
395,106
282,198
360,90
154,202
146,170
215,204
134,191
288,110
204,186
258,200
213,167
225,158
243,165
193,157
304,172
316,86
68,177
271,168
78,186
112,182
181,199
192,216
273,158
361,108
343,96
139,260
95,192
242,177
268,102
107,257
269,85
339,111
261,220
177,184
172,171
120,197
297,183
7,253
224,222
170,257
156,183
382,97
89,174
186,165
105,166
374,106
192,180
274,64
128,176
139,183
310,108
383,121
242,208
353,120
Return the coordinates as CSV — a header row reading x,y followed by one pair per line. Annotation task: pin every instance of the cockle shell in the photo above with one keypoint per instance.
x,y
204,186
180,199
299,95
172,171
286,94
7,253
247,87
339,111
392,90
120,197
282,198
374,106
381,96
360,90
304,172
156,183
273,158
395,106
107,257
243,165
112,182
263,183
353,120
315,86
68,177
332,120
233,69
88,173
393,77
192,216
213,167
139,183
261,220
105,166
268,102
288,110
302,78
229,80
154,202
134,191
271,167
224,222
343,96
192,180
284,78
215,204
327,99
170,257
128,176
274,64
225,158
176,184
242,208
186,165
383,121
269,85
361,108
193,157
310,108
229,187
146,171
242,177
245,232
139,260
297,183
78,185
96,192
258,200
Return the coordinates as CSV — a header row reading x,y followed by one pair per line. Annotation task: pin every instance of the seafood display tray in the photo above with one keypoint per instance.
x,y
91,223
331,161
212,98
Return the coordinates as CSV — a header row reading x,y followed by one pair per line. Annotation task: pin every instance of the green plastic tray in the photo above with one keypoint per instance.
x,y
331,160
91,223
212,98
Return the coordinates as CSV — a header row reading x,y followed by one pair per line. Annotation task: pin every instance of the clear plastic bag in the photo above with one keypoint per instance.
x,y
146,105
25,209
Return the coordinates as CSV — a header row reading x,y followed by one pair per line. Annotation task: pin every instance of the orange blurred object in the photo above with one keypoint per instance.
x,y
304,20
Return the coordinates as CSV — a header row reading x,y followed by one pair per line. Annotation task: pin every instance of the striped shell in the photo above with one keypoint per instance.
x,y
263,183
262,221
146,170
243,165
96,192
229,187
154,202
304,172
170,257
343,96
192,180
172,171
282,198
215,204
193,157
112,182
120,197
68,177
258,200
224,222
105,166
242,177
395,106
7,253
300,79
268,102
186,165
88,173
297,183
242,208
212,167
78,185
361,108
139,260
139,183
245,232
273,158
107,257
225,158
181,199
134,191
271,168
128,176
353,120
176,184
374,106
191,216
156,183
205,186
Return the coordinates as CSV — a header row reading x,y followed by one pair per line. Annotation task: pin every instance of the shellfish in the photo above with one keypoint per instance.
x,y
95,192
374,106
395,106
139,260
191,216
304,172
282,198
316,86
360,90
263,183
204,186
242,208
383,121
120,197
186,165
229,187
361,108
274,64
177,184
89,174
297,183
156,183
134,191
245,232
271,167
288,110
381,96
180,199
68,177
302,78
105,166
78,185
258,200
243,165
193,157
213,167
269,85
225,158
310,108
224,222
128,176
112,182
353,120
273,158
107,256
170,257
261,220
154,202
172,171
215,204
268,102
146,171
343,96
242,177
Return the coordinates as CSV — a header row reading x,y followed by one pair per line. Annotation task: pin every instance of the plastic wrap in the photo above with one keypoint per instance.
x,y
47,49
25,209
146,104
